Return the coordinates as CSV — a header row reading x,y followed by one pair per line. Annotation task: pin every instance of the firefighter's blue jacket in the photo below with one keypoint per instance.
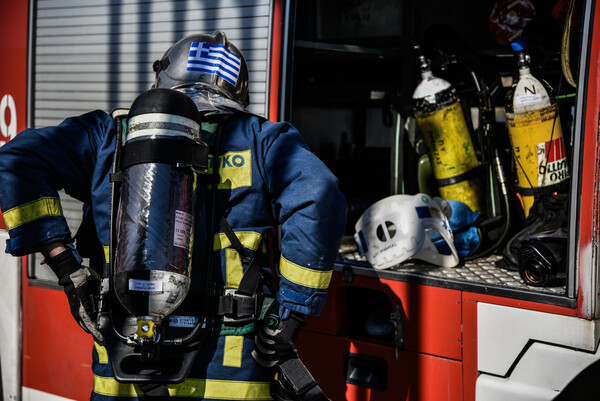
x,y
268,177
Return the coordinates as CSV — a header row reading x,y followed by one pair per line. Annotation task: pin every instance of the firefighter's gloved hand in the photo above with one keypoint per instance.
x,y
276,337
82,286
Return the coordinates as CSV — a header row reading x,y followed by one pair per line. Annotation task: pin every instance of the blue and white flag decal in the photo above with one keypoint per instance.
x,y
214,59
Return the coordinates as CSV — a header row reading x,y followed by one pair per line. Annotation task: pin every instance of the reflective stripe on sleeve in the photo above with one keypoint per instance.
x,y
31,211
304,276
192,388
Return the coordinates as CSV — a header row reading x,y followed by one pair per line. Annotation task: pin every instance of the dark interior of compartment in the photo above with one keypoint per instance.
x,y
367,314
355,69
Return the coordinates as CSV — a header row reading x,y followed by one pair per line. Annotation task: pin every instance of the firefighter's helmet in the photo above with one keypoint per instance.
x,y
402,227
208,68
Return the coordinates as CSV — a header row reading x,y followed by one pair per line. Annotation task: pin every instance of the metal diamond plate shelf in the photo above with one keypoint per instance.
x,y
480,275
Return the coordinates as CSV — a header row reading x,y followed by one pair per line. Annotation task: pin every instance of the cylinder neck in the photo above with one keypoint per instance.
x,y
423,63
523,63
426,74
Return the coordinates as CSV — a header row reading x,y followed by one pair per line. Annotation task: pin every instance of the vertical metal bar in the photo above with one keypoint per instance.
x,y
397,173
31,33
576,185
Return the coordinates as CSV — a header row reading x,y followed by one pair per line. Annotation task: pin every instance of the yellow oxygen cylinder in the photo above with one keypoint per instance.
x,y
535,134
441,120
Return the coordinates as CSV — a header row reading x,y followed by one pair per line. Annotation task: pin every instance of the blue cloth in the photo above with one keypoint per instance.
x,y
270,177
466,242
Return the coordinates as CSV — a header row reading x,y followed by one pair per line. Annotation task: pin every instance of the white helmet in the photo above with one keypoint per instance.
x,y
401,227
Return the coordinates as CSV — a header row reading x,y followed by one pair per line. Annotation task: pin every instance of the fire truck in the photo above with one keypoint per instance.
x,y
344,73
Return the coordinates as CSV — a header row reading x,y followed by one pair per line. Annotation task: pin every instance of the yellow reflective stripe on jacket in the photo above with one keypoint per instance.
x,y
31,211
233,262
107,254
102,354
234,271
304,276
193,388
232,353
235,169
249,239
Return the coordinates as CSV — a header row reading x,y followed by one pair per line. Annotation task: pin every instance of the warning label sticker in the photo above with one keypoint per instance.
x,y
183,229
552,162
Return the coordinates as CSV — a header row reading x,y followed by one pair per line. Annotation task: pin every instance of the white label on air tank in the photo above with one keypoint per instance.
x,y
525,99
183,321
183,229
145,285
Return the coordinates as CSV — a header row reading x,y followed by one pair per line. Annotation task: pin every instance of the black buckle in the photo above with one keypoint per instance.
x,y
297,377
238,309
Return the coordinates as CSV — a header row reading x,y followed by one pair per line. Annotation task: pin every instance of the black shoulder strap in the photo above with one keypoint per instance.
x,y
249,283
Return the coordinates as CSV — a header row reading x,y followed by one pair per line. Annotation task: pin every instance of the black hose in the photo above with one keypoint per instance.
x,y
504,190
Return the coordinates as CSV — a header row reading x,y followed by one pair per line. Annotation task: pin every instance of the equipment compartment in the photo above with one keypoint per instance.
x,y
350,88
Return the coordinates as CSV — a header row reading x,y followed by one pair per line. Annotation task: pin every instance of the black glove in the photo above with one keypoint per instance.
x,y
276,337
82,286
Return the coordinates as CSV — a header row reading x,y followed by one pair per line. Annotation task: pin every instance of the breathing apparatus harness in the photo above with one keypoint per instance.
x,y
293,381
142,350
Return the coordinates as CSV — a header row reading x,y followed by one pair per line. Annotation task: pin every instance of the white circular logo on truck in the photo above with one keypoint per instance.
x,y
8,126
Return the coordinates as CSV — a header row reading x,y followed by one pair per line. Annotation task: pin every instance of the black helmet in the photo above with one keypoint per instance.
x,y
209,69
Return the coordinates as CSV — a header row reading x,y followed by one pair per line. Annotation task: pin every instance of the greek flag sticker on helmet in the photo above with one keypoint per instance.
x,y
214,59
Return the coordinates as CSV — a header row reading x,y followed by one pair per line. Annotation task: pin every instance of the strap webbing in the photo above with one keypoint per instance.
x,y
167,151
154,390
524,191
302,382
474,172
249,283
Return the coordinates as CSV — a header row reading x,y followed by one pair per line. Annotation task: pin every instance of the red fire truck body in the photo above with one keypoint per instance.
x,y
474,332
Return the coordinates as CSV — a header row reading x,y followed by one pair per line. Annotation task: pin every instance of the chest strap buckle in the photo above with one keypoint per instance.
x,y
238,309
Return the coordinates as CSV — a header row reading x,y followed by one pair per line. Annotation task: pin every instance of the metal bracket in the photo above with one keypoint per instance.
x,y
396,322
347,274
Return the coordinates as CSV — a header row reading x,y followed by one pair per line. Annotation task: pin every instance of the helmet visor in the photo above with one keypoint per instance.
x,y
207,100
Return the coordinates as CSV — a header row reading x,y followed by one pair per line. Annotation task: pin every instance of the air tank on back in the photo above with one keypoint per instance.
x,y
155,221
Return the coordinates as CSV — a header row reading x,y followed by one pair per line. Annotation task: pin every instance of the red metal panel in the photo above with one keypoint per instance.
x,y
517,303
589,219
433,318
431,315
469,366
57,354
13,71
437,322
413,376
276,43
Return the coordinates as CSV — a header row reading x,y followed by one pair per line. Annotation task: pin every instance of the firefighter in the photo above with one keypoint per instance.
x,y
267,177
